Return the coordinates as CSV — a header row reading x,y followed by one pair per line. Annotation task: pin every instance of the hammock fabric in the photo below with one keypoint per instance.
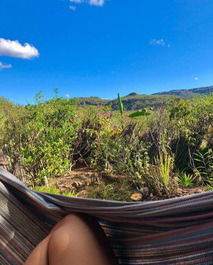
x,y
174,231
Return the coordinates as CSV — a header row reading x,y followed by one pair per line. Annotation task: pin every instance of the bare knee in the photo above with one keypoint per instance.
x,y
75,233
59,240
66,221
68,232
70,218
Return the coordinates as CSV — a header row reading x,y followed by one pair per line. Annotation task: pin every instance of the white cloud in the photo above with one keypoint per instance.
x,y
159,42
196,78
73,8
96,2
89,2
14,48
5,66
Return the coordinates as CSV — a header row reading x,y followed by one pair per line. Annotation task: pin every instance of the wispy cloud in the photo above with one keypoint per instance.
x,y
73,8
88,2
77,1
96,2
196,78
13,48
5,66
159,42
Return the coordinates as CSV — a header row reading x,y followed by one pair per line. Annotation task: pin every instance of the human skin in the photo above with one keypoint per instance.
x,y
76,239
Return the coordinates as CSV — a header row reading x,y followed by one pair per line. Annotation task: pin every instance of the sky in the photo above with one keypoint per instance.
x,y
102,47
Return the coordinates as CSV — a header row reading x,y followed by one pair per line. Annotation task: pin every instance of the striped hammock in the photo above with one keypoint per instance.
x,y
173,231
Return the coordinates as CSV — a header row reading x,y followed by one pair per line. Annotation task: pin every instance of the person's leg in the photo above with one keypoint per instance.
x,y
39,255
74,240
79,241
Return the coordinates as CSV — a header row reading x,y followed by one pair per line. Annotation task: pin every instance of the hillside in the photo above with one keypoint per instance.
x,y
188,93
135,101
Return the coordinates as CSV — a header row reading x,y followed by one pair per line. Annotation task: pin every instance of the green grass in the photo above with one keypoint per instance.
x,y
53,190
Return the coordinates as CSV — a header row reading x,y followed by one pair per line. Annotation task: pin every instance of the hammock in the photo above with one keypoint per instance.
x,y
174,231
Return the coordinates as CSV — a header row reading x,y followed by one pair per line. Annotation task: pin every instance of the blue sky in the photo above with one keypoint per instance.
x,y
101,47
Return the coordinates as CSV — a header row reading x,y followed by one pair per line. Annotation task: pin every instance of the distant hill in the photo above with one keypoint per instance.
x,y
134,101
188,93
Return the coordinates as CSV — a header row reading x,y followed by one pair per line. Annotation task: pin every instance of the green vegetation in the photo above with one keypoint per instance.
x,y
40,139
53,190
147,148
118,191
186,180
120,105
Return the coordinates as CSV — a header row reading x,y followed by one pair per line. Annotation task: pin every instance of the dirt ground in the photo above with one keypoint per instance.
x,y
79,180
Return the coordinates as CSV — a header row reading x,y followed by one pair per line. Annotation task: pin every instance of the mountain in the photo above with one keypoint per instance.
x,y
134,101
188,93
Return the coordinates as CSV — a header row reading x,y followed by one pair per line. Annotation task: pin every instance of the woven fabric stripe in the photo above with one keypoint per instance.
x,y
175,231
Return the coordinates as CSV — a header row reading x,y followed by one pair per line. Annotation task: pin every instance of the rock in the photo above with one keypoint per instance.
x,y
198,190
145,192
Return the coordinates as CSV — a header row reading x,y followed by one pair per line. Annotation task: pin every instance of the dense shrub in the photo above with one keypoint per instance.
x,y
48,139
193,123
118,191
41,141
8,112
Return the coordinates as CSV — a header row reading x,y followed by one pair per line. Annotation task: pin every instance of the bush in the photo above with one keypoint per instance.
x,y
192,122
118,191
203,167
41,141
46,140
127,154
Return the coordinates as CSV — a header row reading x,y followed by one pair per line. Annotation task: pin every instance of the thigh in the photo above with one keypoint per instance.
x,y
39,255
79,240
